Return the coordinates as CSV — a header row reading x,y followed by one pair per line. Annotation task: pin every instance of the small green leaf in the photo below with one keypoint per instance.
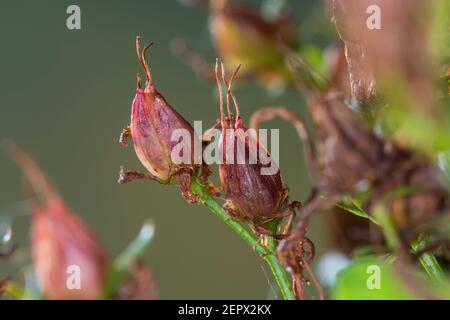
x,y
356,209
314,56
428,260
370,278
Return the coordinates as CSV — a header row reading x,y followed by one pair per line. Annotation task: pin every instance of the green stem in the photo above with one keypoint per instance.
x,y
268,254
387,226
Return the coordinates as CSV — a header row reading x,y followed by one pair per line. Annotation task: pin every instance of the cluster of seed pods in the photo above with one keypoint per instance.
x,y
344,158
250,195
259,199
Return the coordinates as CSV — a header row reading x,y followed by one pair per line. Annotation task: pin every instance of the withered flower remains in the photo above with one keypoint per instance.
x,y
348,158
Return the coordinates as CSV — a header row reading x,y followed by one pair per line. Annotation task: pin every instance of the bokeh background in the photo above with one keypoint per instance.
x,y
65,96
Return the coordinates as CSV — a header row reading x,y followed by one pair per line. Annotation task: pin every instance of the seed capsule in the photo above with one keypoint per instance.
x,y
153,122
250,195
242,35
68,260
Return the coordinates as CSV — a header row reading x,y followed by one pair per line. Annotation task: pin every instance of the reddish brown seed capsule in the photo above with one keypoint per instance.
x,y
63,248
153,122
250,194
242,35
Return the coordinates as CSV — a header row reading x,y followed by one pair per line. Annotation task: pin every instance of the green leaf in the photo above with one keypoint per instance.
x,y
356,209
428,260
370,278
314,56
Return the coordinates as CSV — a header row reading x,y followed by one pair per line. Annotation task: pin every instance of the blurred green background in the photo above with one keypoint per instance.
x,y
65,96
